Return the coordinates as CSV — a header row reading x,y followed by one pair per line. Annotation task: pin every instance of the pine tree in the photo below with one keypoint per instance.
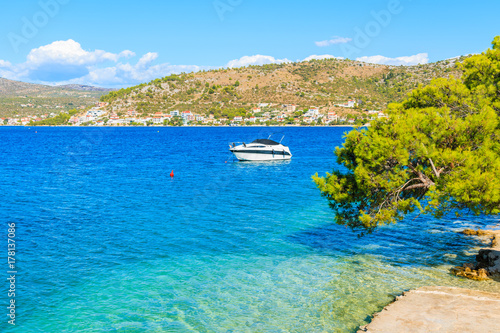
x,y
438,152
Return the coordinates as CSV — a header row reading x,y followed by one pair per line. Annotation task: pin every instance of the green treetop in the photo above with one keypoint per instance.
x,y
439,151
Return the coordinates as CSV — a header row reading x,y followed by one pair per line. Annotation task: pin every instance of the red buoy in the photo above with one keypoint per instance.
x,y
172,174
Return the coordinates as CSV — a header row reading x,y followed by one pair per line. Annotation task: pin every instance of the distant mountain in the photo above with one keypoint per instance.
x,y
81,87
21,98
17,88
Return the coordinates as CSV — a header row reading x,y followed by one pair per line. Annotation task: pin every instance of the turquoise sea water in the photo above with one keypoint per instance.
x,y
108,242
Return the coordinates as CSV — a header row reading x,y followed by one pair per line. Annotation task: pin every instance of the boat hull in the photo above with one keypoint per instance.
x,y
249,156
261,150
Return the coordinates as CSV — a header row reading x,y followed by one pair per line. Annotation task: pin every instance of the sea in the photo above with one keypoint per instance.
x,y
107,241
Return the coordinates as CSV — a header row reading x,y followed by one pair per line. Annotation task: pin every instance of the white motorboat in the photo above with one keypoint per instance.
x,y
261,150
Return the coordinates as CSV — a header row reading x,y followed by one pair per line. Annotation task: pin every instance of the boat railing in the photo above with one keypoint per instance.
x,y
270,135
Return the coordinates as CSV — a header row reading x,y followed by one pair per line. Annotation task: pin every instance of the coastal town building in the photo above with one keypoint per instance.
x,y
158,120
350,104
374,114
284,114
332,116
186,114
312,112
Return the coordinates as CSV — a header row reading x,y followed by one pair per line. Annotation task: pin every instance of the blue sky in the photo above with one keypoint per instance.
x,y
122,43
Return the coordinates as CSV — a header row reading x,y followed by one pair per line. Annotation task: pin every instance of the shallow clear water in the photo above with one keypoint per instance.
x,y
107,241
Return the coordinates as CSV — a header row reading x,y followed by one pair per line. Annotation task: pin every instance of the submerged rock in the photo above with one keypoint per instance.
x,y
482,273
470,273
477,232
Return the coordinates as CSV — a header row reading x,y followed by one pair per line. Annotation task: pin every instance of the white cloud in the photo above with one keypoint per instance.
x,y
64,62
70,52
5,64
421,58
255,60
321,57
147,59
333,41
60,61
126,54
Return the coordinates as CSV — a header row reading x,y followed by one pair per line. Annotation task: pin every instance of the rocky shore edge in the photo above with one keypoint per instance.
x,y
448,309
487,265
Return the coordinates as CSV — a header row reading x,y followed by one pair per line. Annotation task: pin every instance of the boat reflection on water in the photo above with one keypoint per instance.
x,y
250,164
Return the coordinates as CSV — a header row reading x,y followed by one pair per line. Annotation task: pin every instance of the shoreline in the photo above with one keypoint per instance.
x,y
194,126
448,309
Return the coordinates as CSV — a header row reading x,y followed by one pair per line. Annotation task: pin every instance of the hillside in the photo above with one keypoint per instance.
x,y
83,87
319,83
20,98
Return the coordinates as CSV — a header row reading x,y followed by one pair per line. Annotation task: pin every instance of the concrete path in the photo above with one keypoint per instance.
x,y
439,309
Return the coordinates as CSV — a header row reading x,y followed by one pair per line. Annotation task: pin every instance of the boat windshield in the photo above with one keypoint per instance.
x,y
266,142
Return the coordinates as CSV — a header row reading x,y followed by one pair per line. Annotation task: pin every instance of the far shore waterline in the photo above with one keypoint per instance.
x,y
201,126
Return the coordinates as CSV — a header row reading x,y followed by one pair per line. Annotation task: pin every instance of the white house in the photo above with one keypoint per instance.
x,y
312,112
186,114
350,104
332,116
158,120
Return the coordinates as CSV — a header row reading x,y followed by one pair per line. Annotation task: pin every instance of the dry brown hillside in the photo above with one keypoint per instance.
x,y
320,83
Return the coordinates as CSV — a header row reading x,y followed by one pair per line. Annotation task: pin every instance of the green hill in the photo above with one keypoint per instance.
x,y
320,83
